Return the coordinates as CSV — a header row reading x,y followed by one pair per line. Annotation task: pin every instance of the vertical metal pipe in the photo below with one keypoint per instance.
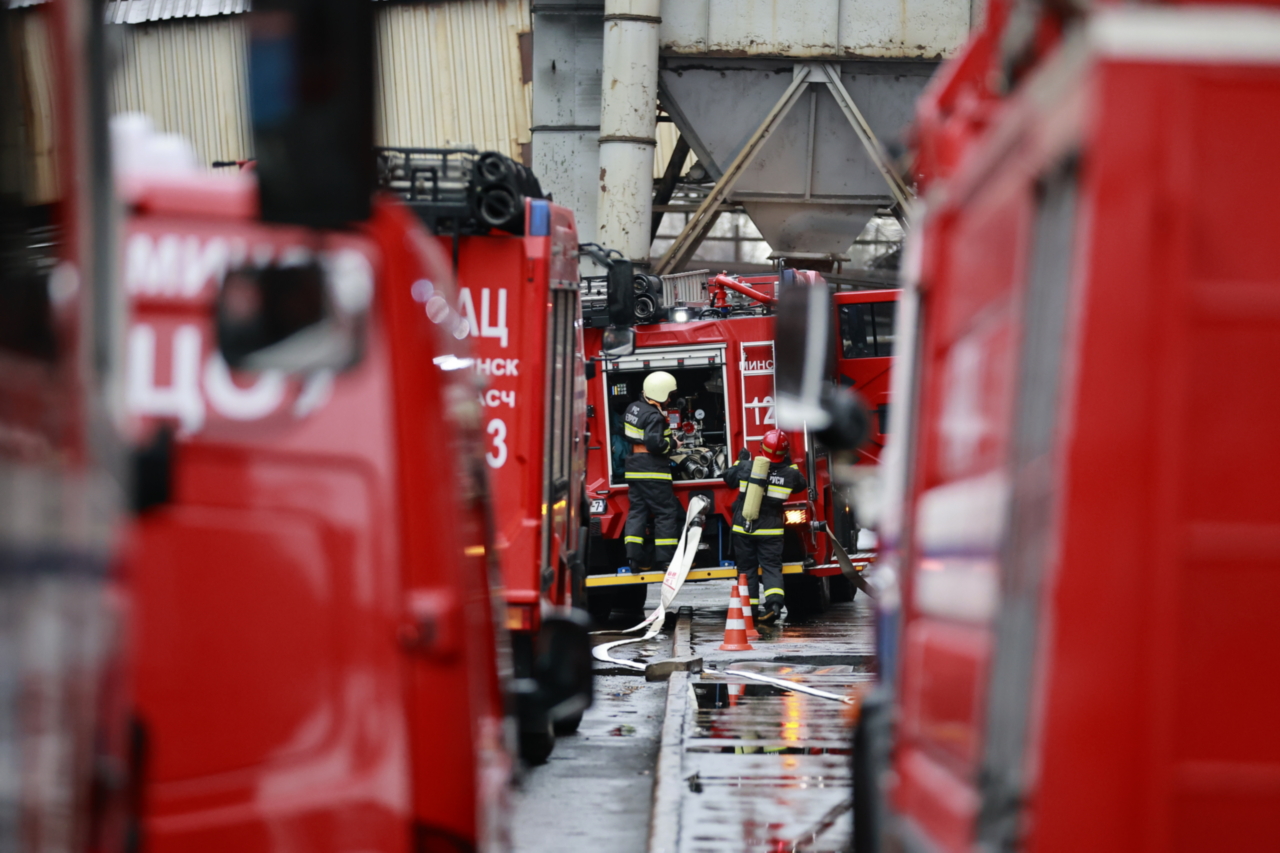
x,y
628,108
568,41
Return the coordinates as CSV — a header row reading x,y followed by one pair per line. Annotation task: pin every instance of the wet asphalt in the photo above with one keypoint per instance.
x,y
761,768
594,793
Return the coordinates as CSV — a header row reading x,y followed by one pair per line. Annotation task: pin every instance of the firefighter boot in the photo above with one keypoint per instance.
x,y
772,612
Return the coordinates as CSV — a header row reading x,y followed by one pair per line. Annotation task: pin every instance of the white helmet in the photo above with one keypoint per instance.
x,y
659,385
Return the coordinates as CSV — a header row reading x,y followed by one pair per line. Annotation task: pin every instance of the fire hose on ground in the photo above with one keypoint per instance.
x,y
677,572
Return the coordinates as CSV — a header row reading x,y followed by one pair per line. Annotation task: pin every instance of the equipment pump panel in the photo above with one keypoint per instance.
x,y
697,411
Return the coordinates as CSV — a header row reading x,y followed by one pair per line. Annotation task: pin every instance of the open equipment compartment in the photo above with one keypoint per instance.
x,y
698,409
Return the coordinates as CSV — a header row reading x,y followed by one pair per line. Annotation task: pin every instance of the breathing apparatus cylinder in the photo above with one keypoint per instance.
x,y
755,488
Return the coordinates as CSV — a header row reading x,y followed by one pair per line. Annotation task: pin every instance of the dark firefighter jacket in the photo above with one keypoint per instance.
x,y
783,479
645,424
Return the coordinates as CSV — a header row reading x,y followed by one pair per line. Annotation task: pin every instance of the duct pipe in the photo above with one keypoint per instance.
x,y
628,113
749,292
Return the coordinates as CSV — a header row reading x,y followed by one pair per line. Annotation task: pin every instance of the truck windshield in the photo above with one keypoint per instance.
x,y
866,329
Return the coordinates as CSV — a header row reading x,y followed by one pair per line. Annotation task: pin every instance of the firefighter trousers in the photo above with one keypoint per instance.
x,y
651,499
764,551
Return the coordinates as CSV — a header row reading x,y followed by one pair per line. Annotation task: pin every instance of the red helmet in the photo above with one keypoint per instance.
x,y
775,445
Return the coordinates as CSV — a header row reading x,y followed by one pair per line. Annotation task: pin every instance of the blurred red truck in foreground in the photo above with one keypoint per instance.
x,y
66,780
316,644
1088,535
320,662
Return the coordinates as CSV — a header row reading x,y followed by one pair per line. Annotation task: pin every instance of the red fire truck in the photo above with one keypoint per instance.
x,y
63,477
1086,537
516,257
715,334
293,551
321,662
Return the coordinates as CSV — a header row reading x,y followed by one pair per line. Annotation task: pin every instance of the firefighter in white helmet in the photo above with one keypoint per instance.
x,y
648,474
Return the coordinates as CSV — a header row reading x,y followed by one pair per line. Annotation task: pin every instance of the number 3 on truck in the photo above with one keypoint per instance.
x,y
497,457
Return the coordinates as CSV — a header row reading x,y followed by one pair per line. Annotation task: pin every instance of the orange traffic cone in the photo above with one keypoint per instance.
x,y
736,692
744,593
735,630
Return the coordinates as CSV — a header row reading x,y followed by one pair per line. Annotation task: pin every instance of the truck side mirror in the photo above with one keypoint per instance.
x,y
296,318
311,88
848,423
618,342
562,665
622,294
802,351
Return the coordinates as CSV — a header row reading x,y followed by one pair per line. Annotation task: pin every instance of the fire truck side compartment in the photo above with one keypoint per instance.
x,y
700,388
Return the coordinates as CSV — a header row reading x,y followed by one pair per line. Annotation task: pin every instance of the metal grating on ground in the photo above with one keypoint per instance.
x,y
765,768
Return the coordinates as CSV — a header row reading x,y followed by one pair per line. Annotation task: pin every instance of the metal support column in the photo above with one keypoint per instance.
x,y
628,115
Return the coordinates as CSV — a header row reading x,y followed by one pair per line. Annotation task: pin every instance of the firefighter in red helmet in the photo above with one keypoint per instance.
x,y
757,533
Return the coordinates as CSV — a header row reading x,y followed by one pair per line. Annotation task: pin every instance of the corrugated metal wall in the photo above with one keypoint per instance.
x,y
189,76
451,75
33,45
142,11
667,135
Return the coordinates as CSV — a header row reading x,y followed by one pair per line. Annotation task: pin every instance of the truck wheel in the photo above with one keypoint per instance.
x,y
536,746
631,598
581,566
600,605
807,596
577,569
578,596
842,590
568,725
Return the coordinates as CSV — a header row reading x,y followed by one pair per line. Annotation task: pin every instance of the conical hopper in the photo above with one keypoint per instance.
x,y
812,186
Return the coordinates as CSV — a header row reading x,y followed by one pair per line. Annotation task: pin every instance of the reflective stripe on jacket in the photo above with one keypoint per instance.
x,y
644,423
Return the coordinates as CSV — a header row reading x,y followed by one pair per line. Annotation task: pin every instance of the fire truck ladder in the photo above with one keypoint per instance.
x,y
767,403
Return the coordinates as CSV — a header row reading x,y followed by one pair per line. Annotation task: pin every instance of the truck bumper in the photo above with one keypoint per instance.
x,y
861,560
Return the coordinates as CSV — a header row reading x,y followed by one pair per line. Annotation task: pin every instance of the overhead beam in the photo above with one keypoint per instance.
x,y
667,185
700,150
866,135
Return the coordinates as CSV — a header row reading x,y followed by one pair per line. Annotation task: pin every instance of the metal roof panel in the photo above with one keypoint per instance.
x,y
149,11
